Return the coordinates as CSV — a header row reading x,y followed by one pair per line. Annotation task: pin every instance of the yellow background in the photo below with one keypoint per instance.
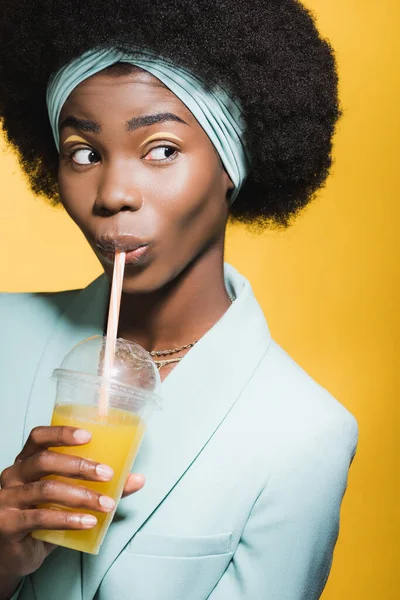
x,y
328,286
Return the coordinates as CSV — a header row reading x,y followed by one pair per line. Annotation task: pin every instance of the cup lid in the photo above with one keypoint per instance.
x,y
133,370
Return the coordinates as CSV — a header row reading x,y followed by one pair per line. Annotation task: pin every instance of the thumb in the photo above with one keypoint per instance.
x,y
133,484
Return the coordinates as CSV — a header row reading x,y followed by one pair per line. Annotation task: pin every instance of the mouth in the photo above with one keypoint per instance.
x,y
136,249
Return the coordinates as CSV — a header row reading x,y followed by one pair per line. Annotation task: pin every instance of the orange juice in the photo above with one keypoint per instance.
x,y
115,442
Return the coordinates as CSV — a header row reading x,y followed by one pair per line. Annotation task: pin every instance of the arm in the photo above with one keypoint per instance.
x,y
285,551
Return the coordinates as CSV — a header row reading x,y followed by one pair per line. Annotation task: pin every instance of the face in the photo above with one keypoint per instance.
x,y
137,173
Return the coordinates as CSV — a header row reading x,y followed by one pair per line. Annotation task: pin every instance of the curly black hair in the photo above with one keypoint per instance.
x,y
267,53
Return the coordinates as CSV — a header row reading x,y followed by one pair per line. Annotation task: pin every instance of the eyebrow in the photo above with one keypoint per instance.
x,y
131,125
147,120
81,124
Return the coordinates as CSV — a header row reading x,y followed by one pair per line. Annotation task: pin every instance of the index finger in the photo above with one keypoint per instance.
x,y
53,436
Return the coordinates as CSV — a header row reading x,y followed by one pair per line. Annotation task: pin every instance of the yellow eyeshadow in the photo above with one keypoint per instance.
x,y
161,134
75,138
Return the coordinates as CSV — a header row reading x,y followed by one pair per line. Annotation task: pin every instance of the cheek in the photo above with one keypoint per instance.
x,y
196,210
195,182
75,194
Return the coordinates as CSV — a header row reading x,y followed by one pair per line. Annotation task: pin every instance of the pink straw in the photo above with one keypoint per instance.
x,y
112,326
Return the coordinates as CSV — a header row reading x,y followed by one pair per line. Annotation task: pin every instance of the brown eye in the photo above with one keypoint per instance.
x,y
161,153
85,156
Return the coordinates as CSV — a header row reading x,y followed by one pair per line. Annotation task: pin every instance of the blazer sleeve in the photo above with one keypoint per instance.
x,y
286,548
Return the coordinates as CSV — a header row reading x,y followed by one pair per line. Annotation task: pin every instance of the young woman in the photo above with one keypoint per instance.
x,y
154,123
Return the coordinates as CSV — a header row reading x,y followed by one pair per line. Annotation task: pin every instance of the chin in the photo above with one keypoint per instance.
x,y
140,277
153,275
144,280
153,278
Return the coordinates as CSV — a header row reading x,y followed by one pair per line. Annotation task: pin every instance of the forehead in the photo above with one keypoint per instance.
x,y
110,93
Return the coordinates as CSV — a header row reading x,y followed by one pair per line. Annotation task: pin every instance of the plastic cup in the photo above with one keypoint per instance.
x,y
131,389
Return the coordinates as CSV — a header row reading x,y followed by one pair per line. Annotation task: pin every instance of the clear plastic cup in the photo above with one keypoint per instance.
x,y
132,391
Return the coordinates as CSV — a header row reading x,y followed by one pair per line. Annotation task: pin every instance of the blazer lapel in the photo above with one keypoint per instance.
x,y
197,396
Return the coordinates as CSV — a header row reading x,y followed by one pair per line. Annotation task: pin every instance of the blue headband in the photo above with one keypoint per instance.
x,y
218,114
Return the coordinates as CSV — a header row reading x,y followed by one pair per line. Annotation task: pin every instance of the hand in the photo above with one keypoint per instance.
x,y
21,489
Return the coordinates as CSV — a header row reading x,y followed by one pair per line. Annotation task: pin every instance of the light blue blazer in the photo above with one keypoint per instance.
x,y
245,466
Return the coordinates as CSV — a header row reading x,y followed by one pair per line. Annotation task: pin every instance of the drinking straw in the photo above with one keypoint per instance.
x,y
112,327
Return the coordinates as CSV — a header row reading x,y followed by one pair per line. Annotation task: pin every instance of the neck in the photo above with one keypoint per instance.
x,y
182,313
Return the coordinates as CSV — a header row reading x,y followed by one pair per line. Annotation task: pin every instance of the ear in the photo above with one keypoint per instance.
x,y
227,181
229,187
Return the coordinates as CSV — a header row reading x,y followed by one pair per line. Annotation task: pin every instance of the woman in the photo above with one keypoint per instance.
x,y
164,120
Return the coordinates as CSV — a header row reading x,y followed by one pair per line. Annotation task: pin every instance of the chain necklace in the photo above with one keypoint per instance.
x,y
163,363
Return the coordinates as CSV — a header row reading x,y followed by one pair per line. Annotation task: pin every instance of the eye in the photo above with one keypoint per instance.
x,y
161,153
84,156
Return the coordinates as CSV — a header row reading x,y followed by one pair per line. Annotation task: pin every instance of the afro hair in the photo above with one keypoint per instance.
x,y
267,53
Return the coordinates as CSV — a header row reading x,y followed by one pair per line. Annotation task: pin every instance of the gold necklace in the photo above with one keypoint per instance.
x,y
163,363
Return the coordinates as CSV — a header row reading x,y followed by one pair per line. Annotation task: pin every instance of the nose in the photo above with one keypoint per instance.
x,y
117,190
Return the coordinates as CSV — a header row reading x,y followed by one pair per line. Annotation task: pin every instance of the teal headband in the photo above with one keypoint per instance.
x,y
218,114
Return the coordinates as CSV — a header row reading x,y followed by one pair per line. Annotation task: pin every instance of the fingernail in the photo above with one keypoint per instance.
x,y
81,435
104,471
138,477
88,521
106,502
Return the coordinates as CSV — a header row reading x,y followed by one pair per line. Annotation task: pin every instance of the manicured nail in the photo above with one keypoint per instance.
x,y
81,435
106,502
104,471
88,521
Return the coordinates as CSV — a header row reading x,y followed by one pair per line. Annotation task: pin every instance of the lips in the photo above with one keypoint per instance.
x,y
135,248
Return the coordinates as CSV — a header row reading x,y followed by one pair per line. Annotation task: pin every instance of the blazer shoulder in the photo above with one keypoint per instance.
x,y
295,404
36,301
297,382
27,314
